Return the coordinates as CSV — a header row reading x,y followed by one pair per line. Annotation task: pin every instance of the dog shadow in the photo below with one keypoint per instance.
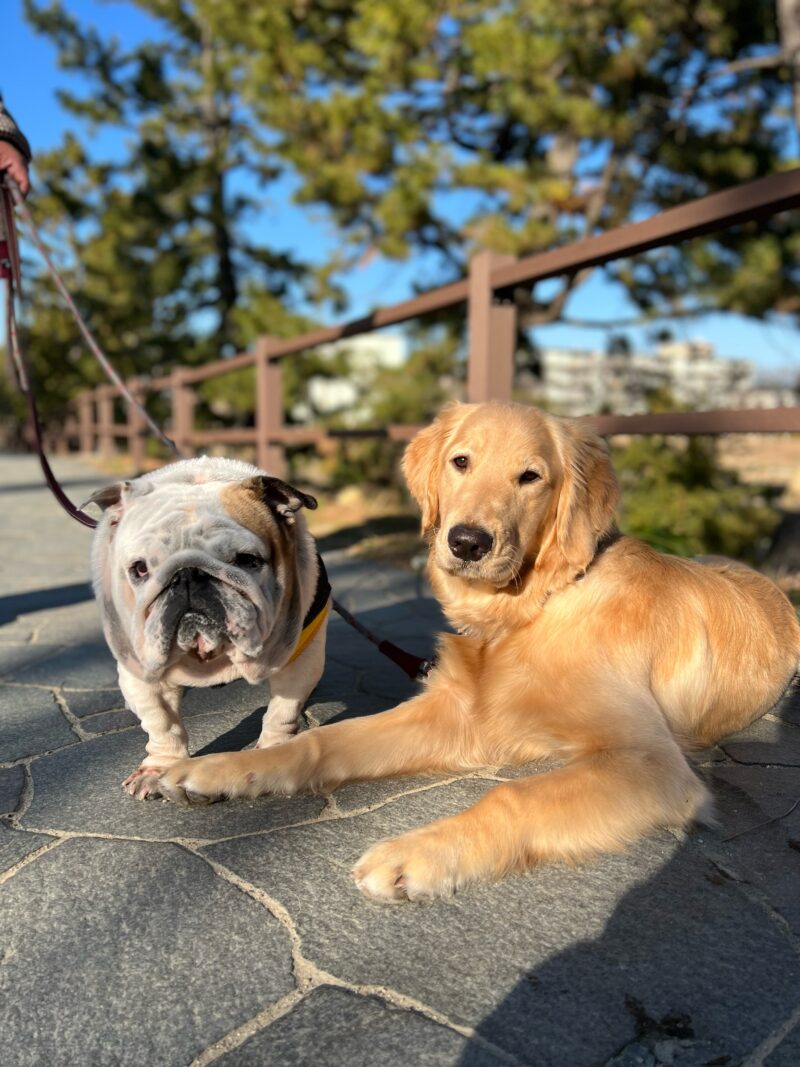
x,y
696,965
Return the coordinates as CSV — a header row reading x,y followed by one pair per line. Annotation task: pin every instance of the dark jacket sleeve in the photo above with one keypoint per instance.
x,y
9,131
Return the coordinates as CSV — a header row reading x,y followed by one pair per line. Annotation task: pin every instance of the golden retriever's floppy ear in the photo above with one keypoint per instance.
x,y
586,503
422,461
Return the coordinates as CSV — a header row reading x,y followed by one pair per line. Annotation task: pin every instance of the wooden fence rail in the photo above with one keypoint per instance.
x,y
492,331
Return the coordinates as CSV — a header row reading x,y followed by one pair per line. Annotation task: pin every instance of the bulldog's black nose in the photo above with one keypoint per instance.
x,y
190,576
469,542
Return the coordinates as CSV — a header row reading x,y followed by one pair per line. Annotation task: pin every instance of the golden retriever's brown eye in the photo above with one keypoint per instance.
x,y
460,462
529,476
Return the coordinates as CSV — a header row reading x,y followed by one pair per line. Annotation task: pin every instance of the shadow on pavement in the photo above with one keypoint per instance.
x,y
694,964
42,600
240,736
30,487
347,536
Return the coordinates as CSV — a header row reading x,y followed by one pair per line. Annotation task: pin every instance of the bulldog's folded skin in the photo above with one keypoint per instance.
x,y
205,572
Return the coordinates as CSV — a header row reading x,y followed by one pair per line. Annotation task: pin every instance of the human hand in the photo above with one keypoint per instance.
x,y
13,162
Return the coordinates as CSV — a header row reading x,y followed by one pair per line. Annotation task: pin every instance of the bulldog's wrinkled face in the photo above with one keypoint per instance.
x,y
197,573
504,487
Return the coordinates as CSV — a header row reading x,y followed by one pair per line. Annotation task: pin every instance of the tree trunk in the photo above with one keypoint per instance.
x,y
215,125
788,12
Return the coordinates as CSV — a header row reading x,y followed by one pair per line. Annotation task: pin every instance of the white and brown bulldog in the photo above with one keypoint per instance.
x,y
205,572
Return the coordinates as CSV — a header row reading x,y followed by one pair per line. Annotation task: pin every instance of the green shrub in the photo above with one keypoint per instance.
x,y
677,497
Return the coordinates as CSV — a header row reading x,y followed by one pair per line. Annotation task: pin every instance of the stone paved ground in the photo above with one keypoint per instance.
x,y
139,933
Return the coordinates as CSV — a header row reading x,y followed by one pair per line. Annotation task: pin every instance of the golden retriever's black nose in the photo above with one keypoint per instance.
x,y
469,542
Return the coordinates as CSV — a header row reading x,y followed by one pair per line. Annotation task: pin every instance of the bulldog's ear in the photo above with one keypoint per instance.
x,y
280,497
422,461
113,497
108,496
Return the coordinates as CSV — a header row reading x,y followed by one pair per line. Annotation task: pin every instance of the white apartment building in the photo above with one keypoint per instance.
x,y
588,381
349,396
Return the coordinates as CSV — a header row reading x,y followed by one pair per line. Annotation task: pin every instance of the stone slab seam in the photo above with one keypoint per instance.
x,y
25,761
751,892
769,717
65,688
309,975
73,721
756,763
90,734
53,650
328,814
770,1043
234,1038
27,860
25,797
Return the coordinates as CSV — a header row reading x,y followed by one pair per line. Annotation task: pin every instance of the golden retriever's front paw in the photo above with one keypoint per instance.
x,y
416,866
205,778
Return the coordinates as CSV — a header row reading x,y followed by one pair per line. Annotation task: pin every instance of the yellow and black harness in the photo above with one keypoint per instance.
x,y
317,613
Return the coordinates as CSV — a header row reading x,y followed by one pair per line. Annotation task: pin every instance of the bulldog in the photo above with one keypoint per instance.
x,y
205,572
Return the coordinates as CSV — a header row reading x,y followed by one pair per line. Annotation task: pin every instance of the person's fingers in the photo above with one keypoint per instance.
x,y
12,162
19,172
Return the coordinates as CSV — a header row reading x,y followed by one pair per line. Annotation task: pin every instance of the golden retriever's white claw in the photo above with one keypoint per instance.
x,y
142,784
411,867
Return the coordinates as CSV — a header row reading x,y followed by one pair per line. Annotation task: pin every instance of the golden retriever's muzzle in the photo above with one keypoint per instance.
x,y
469,543
477,554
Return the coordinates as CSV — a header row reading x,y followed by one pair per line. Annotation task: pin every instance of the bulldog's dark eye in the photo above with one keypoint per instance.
x,y
247,561
529,476
138,570
460,462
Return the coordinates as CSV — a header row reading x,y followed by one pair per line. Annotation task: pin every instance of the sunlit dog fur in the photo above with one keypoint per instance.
x,y
204,571
573,642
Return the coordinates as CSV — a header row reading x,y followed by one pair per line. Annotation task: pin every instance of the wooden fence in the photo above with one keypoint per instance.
x,y
492,333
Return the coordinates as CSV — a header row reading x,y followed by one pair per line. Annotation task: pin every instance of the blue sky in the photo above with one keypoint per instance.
x,y
29,78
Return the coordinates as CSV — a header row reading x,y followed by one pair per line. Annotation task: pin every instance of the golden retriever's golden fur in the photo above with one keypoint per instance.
x,y
573,642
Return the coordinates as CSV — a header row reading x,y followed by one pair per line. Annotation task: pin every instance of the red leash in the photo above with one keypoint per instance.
x,y
415,667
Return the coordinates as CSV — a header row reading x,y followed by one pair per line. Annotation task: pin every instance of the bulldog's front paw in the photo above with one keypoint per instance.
x,y
143,783
205,778
417,866
270,738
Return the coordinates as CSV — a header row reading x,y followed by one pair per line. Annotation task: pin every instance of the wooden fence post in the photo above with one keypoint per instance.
x,y
105,419
492,333
183,402
69,432
136,426
271,455
86,420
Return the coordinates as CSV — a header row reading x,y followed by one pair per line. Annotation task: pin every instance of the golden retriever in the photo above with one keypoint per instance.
x,y
573,642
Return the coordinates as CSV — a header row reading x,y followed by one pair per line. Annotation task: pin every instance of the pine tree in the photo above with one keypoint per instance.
x,y
421,127
153,239
462,124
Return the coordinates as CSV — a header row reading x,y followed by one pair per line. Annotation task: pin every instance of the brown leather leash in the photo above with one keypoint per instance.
x,y
415,667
